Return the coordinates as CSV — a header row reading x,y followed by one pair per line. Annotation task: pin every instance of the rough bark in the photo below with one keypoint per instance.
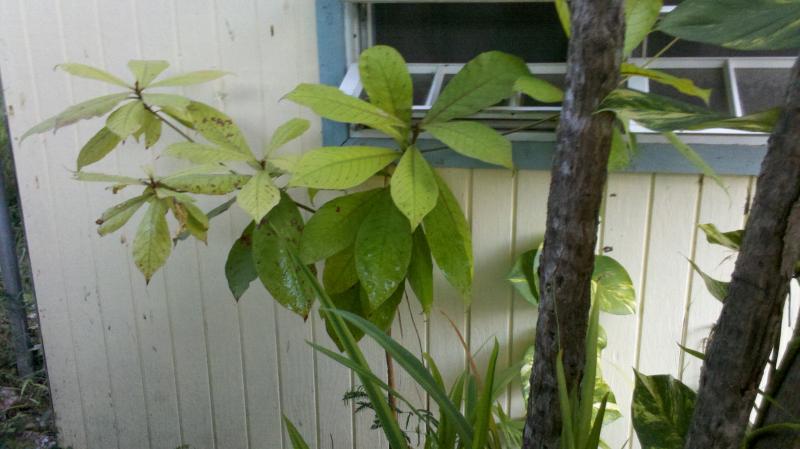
x,y
745,331
578,176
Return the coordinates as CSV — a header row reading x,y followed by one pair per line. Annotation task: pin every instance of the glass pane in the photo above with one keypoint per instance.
x,y
555,79
457,32
761,89
713,79
422,85
684,49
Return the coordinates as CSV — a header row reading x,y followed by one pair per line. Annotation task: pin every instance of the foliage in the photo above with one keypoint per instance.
x,y
662,410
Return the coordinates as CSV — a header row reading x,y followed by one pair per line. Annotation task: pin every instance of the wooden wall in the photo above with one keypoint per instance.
x,y
179,362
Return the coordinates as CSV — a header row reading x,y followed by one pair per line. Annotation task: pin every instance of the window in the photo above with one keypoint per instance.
x,y
438,38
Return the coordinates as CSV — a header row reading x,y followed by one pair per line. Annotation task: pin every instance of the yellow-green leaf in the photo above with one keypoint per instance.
x,y
127,119
102,177
86,71
539,89
97,147
116,216
151,129
204,154
217,127
166,101
692,156
562,9
190,217
420,271
146,71
475,140
95,107
612,287
340,167
204,183
386,80
285,133
684,85
258,196
640,16
152,244
483,82
191,78
413,186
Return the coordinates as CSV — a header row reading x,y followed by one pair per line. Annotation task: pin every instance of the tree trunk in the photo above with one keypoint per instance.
x,y
746,329
578,176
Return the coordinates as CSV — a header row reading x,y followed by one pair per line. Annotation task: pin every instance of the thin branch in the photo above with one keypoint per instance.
x,y
167,122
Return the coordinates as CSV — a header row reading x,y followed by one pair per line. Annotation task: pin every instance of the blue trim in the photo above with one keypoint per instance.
x,y
652,157
332,60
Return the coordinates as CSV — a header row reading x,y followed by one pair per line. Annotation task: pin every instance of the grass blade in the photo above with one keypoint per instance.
x,y
294,436
484,410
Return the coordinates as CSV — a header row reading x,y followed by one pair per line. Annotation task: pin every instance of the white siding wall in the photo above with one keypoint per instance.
x,y
178,361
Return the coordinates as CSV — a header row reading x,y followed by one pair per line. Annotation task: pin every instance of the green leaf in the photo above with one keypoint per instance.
x,y
349,300
102,177
620,156
340,271
588,382
191,78
562,9
483,82
151,129
383,316
204,154
340,167
420,271
258,196
383,250
683,85
333,104
539,89
483,412
116,216
86,71
205,183
386,80
287,132
146,71
450,240
334,226
294,436
731,239
522,276
662,410
692,156
565,404
174,102
240,270
692,352
95,107
665,114
274,241
613,288
127,119
640,16
152,244
474,139
97,147
283,164
217,127
718,289
190,217
413,186
739,24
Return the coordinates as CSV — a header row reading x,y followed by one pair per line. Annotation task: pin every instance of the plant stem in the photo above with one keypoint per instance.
x,y
167,122
390,380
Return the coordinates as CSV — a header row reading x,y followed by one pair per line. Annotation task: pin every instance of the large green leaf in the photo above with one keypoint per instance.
x,y
127,119
145,71
539,89
274,241
205,183
640,16
340,167
258,196
683,85
287,132
191,78
217,127
413,186
386,80
97,147
739,24
718,289
420,271
335,225
240,270
116,216
383,250
474,139
340,271
333,104
662,410
665,114
450,240
522,276
95,107
731,239
152,244
484,81
613,287
86,71
205,154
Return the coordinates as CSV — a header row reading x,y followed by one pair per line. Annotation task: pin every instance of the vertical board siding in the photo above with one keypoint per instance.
x,y
179,361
